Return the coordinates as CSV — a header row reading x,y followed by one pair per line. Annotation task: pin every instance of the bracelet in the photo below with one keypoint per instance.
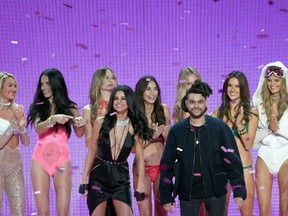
x,y
242,131
83,188
22,132
50,123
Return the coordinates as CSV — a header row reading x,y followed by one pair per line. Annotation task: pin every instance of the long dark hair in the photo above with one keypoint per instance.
x,y
41,107
137,118
224,109
158,111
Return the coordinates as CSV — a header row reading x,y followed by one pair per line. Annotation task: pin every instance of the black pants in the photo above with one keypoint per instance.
x,y
215,206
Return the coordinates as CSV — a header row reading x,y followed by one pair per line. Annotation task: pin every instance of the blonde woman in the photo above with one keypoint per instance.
x,y
12,127
186,78
103,83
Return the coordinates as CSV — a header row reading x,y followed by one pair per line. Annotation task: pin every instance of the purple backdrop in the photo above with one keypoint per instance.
x,y
136,38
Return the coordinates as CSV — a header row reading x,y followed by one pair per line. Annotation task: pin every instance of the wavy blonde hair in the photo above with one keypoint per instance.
x,y
181,90
95,90
3,77
267,100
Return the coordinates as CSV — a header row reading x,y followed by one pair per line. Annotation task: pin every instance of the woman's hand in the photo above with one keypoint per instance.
x,y
273,123
20,116
60,118
79,121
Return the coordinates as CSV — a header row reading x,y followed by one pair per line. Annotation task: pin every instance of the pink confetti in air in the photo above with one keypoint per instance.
x,y
187,11
39,103
34,213
148,79
230,150
223,148
262,36
82,46
251,171
260,66
182,81
24,59
192,130
197,174
236,186
124,23
167,180
227,161
95,187
37,192
67,5
114,113
261,187
14,42
60,169
175,49
284,10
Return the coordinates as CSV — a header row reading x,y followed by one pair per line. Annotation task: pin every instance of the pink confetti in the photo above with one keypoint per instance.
x,y
67,5
14,42
24,59
34,213
37,192
114,113
187,11
227,161
261,187
95,187
251,171
260,66
236,186
82,46
175,49
167,180
40,103
60,169
262,36
223,148
230,150
197,174
182,81
148,79
124,23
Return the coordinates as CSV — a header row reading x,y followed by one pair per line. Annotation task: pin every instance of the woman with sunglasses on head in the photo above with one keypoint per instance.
x,y
271,99
149,96
12,129
242,118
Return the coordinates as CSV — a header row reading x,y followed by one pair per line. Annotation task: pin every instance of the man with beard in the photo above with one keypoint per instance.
x,y
202,154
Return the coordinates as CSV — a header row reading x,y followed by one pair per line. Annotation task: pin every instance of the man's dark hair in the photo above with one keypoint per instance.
x,y
198,87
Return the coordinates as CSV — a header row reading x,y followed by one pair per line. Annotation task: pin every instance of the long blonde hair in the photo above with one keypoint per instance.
x,y
95,90
267,98
3,77
181,90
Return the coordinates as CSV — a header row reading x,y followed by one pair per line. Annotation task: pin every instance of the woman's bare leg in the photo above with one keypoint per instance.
x,y
41,186
100,210
158,209
145,206
63,184
122,208
264,187
248,204
283,188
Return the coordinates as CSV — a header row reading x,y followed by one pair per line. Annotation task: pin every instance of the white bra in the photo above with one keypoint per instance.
x,y
4,125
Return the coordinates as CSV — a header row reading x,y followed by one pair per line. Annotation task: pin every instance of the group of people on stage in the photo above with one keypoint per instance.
x,y
207,154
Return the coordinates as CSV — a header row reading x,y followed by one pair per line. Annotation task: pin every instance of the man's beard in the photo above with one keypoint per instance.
x,y
199,115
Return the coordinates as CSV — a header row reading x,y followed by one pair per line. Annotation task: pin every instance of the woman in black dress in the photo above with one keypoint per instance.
x,y
123,129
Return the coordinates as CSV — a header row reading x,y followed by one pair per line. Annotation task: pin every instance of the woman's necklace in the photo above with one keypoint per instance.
x,y
5,104
122,123
118,146
275,98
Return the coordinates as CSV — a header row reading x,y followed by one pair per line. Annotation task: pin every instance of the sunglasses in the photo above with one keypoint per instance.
x,y
278,72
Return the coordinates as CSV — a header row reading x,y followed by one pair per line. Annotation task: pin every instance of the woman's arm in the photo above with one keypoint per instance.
x,y
92,150
78,123
140,163
248,137
168,121
21,118
88,126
